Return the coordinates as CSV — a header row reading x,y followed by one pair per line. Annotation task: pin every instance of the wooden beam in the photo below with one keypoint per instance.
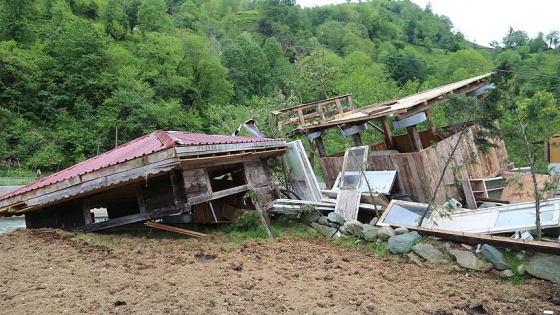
x,y
499,241
156,214
387,132
222,193
430,120
86,210
320,146
414,138
176,190
357,139
140,198
174,229
263,220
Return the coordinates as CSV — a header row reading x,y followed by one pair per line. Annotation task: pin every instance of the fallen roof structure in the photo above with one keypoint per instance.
x,y
417,156
160,174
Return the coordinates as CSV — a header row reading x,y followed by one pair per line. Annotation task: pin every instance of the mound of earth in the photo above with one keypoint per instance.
x,y
52,272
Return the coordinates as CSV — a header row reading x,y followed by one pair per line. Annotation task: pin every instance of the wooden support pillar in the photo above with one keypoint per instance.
x,y
414,138
320,146
86,209
176,190
430,120
388,133
140,198
357,139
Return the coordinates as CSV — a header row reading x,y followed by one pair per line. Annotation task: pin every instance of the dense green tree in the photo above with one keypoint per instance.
x,y
515,39
553,38
152,16
16,20
115,20
249,69
405,66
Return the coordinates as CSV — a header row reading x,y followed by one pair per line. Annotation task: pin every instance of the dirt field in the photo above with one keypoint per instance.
x,y
50,272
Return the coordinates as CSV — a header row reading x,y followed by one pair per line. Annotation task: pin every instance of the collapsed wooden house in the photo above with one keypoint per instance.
x,y
417,156
162,174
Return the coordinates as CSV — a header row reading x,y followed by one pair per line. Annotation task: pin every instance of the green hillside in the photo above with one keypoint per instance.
x,y
79,76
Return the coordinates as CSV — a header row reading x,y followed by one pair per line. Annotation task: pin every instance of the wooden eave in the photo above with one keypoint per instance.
x,y
99,180
139,169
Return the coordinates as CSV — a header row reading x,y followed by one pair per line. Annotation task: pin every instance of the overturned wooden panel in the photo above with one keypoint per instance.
x,y
419,172
350,186
300,173
519,186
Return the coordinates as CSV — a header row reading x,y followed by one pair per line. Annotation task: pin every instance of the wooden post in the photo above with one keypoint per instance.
x,y
357,139
431,120
176,190
414,138
387,131
320,146
86,210
140,198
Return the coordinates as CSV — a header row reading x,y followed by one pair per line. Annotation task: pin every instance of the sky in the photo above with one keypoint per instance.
x,y
482,21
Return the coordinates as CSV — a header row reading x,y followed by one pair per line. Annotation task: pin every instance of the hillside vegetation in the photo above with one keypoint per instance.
x,y
78,77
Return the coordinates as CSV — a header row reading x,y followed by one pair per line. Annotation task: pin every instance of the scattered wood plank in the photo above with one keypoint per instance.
x,y
174,229
498,241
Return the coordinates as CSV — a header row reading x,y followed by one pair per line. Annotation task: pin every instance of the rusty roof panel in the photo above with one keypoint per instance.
x,y
147,144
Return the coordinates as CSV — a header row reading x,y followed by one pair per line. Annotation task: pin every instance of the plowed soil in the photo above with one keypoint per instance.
x,y
50,272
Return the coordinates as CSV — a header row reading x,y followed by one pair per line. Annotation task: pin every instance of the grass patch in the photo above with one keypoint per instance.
x,y
514,263
347,241
103,241
380,249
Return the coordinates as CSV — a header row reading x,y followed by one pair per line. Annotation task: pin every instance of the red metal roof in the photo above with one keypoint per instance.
x,y
150,143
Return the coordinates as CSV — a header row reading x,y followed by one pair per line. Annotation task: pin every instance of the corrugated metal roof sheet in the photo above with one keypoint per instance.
x,y
150,143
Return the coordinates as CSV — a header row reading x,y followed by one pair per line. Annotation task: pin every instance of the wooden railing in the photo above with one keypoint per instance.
x,y
316,111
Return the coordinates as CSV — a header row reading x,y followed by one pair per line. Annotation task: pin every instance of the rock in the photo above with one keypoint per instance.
x,y
545,267
401,244
323,220
370,235
373,221
456,268
506,274
468,260
323,229
412,257
467,247
494,256
401,231
521,270
447,247
429,252
385,233
352,227
336,218
309,217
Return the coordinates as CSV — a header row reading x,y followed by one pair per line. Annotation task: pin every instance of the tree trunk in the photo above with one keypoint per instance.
x,y
531,161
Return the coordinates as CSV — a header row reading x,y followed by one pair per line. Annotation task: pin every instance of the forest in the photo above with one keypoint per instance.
x,y
78,77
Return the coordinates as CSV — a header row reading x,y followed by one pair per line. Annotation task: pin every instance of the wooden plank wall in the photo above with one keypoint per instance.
x,y
419,172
